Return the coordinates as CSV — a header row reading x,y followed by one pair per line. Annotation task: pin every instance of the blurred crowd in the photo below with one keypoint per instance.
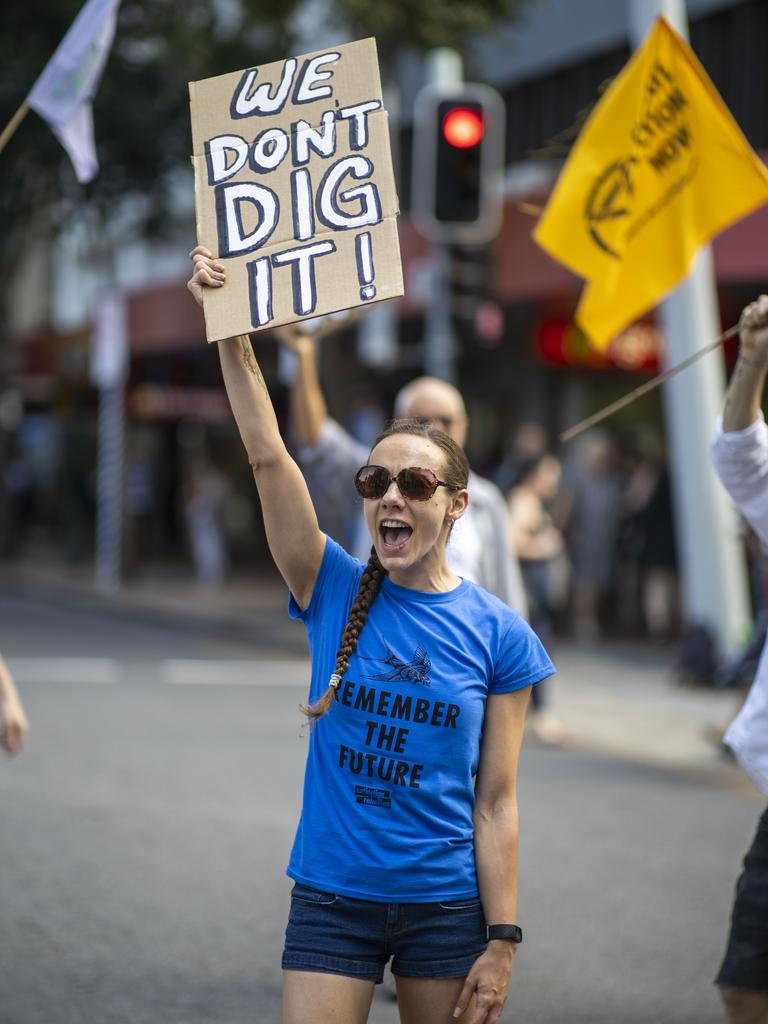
x,y
594,531
591,523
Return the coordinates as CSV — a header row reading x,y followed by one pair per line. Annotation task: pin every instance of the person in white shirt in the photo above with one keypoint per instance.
x,y
740,457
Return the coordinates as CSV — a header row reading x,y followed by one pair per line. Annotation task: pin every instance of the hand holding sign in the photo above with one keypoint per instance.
x,y
294,189
206,272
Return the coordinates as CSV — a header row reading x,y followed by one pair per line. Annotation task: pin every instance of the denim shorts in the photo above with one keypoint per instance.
x,y
339,935
745,965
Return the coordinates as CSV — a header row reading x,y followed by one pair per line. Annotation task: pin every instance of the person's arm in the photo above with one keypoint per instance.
x,y
745,388
309,411
13,721
328,455
308,407
294,538
496,831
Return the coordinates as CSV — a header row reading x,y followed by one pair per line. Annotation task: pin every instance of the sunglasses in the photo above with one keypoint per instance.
x,y
414,483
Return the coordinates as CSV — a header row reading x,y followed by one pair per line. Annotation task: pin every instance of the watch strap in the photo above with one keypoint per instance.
x,y
510,932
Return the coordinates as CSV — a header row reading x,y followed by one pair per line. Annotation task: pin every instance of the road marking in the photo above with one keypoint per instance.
x,y
195,672
65,670
169,671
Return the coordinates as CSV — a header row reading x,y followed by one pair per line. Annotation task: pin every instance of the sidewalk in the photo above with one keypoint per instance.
x,y
621,699
615,698
253,608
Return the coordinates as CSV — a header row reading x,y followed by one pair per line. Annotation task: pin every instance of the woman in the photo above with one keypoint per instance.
x,y
396,855
540,550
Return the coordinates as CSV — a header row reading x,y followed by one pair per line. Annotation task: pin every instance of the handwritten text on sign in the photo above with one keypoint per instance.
x,y
294,188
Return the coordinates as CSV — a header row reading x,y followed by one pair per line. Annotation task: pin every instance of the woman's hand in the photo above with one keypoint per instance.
x,y
488,980
207,272
13,725
753,332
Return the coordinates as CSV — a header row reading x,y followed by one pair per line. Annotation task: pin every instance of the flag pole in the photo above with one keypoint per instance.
x,y
13,124
609,410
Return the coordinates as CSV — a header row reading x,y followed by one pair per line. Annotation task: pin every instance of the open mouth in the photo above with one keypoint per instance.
x,y
394,534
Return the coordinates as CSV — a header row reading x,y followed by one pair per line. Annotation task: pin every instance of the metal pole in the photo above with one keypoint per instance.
x,y
109,491
444,67
714,580
377,337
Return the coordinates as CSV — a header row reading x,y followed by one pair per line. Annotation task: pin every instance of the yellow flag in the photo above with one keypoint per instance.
x,y
659,168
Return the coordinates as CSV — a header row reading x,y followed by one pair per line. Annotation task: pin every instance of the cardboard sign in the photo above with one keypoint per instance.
x,y
294,190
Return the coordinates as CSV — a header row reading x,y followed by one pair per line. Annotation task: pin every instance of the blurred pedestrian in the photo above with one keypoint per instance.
x,y
479,548
543,562
420,682
19,486
591,533
647,539
529,440
740,456
13,722
205,494
139,506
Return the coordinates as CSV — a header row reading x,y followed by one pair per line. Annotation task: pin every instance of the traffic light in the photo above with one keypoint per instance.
x,y
458,163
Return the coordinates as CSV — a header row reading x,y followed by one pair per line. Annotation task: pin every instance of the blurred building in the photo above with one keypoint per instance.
x,y
519,357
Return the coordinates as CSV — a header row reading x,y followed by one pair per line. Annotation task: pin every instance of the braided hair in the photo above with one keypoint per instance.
x,y
457,471
370,582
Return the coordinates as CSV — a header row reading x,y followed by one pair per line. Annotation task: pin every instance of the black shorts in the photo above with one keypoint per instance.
x,y
745,965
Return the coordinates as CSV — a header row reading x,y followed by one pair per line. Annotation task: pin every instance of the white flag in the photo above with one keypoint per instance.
x,y
62,94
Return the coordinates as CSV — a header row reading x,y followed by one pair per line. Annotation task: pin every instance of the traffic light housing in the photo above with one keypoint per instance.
x,y
458,163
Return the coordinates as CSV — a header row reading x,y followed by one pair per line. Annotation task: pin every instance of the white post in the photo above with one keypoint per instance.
x,y
109,361
714,581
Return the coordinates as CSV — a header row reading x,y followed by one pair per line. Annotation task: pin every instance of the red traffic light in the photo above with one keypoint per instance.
x,y
463,127
458,162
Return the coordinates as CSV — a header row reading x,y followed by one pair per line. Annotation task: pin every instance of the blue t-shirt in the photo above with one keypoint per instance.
x,y
388,789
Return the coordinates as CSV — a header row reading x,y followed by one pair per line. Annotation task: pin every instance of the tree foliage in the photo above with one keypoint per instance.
x,y
141,111
424,24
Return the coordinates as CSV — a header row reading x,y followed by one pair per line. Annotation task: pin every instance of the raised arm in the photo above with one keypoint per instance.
x,y
328,455
745,389
308,408
294,538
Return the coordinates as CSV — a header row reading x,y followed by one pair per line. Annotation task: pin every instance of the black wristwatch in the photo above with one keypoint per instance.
x,y
510,932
